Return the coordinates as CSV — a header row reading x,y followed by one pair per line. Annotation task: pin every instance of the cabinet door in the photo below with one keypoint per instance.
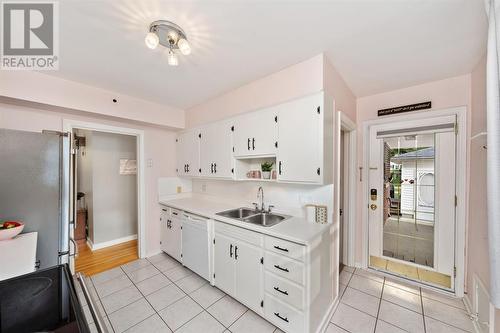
x,y
249,286
164,217
216,150
255,133
188,153
173,237
300,130
224,263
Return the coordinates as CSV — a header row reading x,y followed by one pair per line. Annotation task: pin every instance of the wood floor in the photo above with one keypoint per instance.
x,y
93,262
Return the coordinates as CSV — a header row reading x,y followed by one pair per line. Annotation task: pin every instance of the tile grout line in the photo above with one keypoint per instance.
x,y
100,301
204,309
422,305
379,305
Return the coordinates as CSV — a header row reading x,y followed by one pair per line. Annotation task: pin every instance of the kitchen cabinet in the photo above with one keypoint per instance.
x,y
188,153
171,233
238,266
216,157
301,134
255,133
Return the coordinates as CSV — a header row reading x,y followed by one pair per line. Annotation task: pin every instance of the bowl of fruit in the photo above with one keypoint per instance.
x,y
10,229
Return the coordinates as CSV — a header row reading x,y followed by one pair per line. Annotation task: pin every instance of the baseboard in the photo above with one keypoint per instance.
x,y
90,244
98,246
469,309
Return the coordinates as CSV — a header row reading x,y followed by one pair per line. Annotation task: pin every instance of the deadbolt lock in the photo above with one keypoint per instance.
x,y
373,206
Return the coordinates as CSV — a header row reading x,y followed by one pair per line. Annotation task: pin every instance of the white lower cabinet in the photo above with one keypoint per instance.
x,y
238,265
171,233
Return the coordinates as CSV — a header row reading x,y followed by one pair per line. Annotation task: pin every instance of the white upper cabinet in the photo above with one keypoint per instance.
x,y
188,153
297,136
216,158
255,133
305,129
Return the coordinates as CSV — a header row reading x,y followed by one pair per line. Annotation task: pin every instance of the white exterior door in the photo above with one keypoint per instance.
x,y
224,263
412,182
249,275
255,133
300,140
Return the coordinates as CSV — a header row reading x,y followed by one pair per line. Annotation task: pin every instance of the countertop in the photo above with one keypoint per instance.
x,y
294,229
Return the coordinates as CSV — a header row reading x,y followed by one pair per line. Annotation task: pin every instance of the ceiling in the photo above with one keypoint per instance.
x,y
376,45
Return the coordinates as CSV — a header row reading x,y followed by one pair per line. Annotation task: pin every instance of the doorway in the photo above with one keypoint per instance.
x,y
120,155
412,198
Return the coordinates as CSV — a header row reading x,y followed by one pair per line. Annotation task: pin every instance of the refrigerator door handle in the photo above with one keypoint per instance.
x,y
75,247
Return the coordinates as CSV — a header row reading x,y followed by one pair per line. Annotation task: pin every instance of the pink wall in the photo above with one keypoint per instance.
x,y
292,82
446,93
335,86
304,78
159,145
51,90
478,256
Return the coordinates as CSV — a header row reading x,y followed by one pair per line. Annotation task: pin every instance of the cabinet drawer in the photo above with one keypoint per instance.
x,y
284,290
282,315
248,236
285,267
285,248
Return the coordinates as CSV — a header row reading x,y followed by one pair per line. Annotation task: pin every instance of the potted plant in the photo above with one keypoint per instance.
x,y
266,169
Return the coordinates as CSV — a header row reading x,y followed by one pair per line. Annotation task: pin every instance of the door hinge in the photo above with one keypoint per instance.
x,y
261,304
233,149
262,260
318,171
456,201
454,271
276,144
214,240
275,119
318,109
232,128
214,275
181,255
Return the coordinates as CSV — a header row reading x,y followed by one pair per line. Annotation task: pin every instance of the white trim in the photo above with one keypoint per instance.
x,y
461,212
98,246
69,125
349,197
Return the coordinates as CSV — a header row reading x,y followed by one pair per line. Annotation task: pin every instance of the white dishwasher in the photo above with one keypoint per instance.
x,y
196,244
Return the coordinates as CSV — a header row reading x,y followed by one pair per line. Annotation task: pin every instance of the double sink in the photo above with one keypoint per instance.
x,y
254,216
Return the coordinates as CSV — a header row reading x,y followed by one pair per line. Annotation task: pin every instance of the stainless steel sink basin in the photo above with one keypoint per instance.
x,y
254,216
238,213
265,219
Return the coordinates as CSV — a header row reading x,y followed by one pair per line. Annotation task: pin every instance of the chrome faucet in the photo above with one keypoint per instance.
x,y
260,196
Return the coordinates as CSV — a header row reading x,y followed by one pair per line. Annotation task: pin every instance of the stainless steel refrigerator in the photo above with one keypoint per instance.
x,y
35,189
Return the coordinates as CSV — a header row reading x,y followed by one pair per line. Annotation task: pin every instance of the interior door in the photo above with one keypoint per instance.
x,y
300,137
412,200
224,263
249,275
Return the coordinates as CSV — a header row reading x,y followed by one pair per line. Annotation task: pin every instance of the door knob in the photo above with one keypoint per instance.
x,y
373,206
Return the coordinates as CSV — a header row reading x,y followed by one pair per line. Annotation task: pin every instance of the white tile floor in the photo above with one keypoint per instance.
x,y
159,295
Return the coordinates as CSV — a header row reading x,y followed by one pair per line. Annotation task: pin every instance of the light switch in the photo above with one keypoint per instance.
x,y
150,162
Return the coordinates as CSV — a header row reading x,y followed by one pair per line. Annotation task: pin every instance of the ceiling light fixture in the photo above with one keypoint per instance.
x,y
171,36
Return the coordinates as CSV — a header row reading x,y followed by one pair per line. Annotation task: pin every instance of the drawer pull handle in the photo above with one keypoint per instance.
x,y
277,314
280,248
281,291
281,268
231,250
